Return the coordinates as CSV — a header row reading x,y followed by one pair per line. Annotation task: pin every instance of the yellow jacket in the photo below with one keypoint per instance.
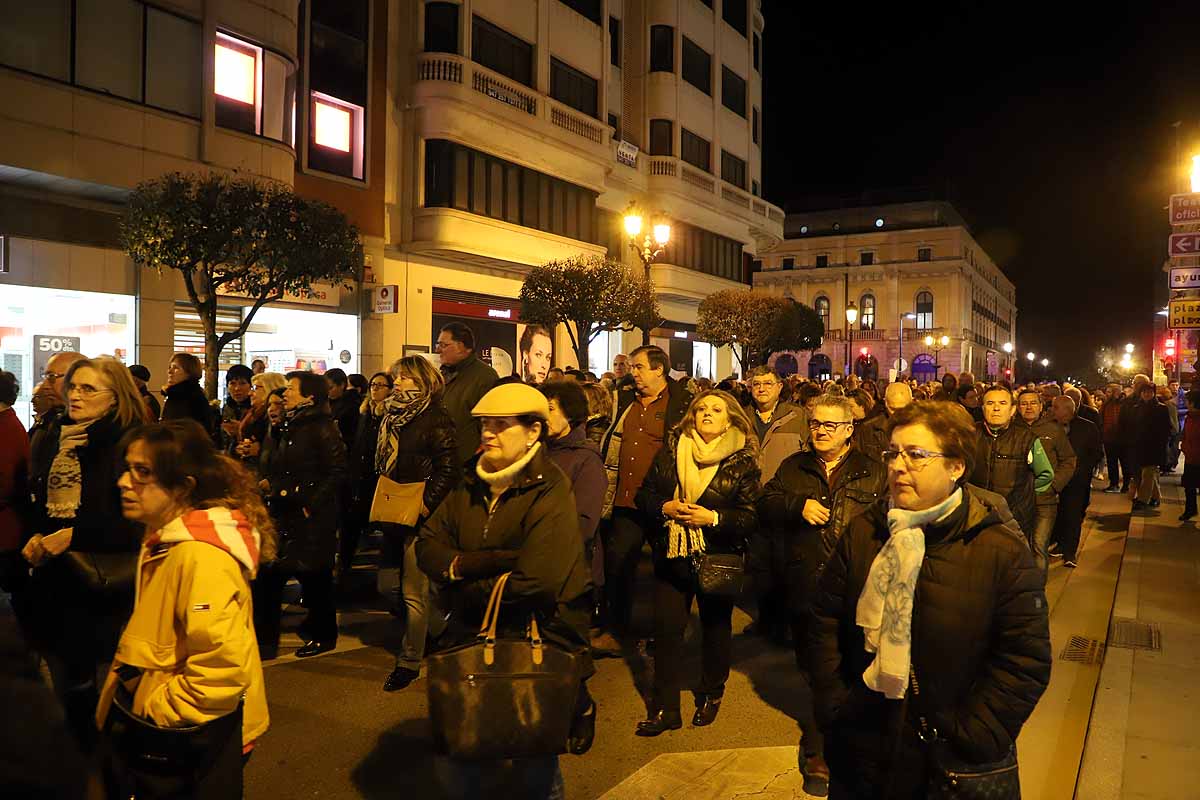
x,y
191,632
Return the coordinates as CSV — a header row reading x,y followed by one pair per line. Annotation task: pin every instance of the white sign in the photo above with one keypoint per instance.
x,y
627,153
500,313
1185,277
384,299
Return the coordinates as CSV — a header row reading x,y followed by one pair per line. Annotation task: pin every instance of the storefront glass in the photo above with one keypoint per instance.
x,y
289,339
36,323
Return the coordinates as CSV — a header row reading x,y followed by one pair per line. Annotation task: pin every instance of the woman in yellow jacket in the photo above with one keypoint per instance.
x,y
184,702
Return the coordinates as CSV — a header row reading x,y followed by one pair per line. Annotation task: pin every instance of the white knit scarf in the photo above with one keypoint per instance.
x,y
885,606
504,477
696,462
64,487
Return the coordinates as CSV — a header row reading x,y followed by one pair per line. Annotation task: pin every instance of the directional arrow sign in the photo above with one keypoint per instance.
x,y
1184,244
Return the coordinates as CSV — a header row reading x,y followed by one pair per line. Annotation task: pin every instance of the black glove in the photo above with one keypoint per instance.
x,y
485,563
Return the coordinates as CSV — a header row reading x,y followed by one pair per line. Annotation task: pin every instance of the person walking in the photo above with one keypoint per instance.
x,y
1152,431
82,551
1171,454
806,508
415,443
301,478
467,380
1129,424
1011,460
1190,446
644,413
1084,439
508,516
185,398
188,655
1110,431
1062,459
699,499
979,653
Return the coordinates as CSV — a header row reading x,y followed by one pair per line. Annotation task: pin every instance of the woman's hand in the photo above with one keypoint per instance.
x,y
697,516
33,552
58,542
673,509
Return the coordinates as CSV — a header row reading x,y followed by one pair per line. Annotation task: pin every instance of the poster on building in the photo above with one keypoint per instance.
x,y
45,347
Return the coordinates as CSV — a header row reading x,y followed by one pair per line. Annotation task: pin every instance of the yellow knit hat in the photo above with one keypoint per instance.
x,y
512,400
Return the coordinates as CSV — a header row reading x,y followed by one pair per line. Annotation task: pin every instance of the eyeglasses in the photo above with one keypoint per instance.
x,y
52,376
828,427
380,386
85,389
763,384
915,458
444,345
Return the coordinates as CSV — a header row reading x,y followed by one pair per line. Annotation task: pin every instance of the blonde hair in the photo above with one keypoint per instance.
x,y
422,371
270,381
127,400
599,400
737,417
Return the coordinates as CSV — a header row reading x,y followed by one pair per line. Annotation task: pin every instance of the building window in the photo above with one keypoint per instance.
x,y
662,137
589,9
614,41
441,27
789,263
460,177
866,312
756,265
37,37
500,51
821,305
822,260
335,144
696,150
757,53
734,13
866,258
697,66
108,46
754,126
733,169
733,91
337,86
174,49
237,76
662,48
614,122
924,254
924,310
573,88
704,251
755,189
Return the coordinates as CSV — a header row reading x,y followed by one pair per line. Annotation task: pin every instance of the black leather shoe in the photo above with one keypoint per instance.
x,y
400,678
660,722
1187,514
315,648
583,731
706,712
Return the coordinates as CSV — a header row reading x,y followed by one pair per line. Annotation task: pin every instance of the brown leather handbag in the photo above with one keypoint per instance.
x,y
498,698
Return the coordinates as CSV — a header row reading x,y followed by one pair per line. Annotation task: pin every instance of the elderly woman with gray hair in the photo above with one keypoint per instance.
x,y
929,645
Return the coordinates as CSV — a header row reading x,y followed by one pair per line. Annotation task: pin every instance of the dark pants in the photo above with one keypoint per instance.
x,y
1071,505
800,584
674,589
622,551
1112,454
354,517
1129,466
1189,506
320,624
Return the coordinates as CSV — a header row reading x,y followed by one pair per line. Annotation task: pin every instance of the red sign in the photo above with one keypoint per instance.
x,y
501,312
1184,244
1185,208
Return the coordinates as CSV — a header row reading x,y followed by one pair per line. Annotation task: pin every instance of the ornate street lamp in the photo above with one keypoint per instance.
x,y
851,318
937,346
648,249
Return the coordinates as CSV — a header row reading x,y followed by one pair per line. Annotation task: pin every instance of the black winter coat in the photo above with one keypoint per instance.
x,y
857,484
1002,466
187,400
344,411
428,451
579,459
731,493
1152,426
305,469
981,645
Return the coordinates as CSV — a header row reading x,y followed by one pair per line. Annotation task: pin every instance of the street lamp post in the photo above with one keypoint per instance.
x,y
1045,368
937,346
903,317
1030,356
1008,351
647,249
851,317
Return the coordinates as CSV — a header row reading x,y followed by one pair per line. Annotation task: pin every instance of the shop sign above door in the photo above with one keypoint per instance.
x,y
319,294
384,299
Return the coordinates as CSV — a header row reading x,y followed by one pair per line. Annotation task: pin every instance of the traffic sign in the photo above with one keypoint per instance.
x,y
1184,244
1185,208
1184,314
1185,278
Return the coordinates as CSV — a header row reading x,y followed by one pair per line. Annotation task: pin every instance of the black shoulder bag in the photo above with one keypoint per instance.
x,y
951,778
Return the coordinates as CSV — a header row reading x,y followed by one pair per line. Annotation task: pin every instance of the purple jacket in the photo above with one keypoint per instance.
x,y
579,459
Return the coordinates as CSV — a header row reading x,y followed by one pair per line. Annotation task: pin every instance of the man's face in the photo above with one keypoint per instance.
x,y
1174,387
336,390
765,389
1029,406
648,380
831,429
52,378
451,351
998,409
537,359
621,366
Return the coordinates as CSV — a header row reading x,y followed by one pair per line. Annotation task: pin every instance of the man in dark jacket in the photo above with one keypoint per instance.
x,y
302,481
1110,432
467,380
872,435
1073,500
1128,430
344,401
1151,432
642,418
1011,460
1062,460
806,507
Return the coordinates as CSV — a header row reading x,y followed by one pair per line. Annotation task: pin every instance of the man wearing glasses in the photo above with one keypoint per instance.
x,y
43,435
807,506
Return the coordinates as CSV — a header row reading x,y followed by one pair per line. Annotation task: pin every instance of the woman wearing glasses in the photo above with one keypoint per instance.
x,y
805,508
937,591
78,524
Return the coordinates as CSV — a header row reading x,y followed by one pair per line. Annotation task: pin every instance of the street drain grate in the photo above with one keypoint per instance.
x,y
1082,650
1134,635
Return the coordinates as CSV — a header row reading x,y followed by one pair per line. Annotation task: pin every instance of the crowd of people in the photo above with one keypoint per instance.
x,y
897,537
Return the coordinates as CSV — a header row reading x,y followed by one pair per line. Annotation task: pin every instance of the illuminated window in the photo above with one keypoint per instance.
x,y
336,143
236,81
332,126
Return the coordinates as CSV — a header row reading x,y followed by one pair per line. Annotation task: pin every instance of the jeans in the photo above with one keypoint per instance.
x,y
422,617
674,590
622,551
525,778
1043,527
1147,487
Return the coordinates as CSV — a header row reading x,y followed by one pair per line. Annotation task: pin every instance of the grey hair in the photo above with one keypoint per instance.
x,y
838,401
1063,399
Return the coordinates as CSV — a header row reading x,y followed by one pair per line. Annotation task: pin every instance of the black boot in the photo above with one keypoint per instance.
x,y
660,722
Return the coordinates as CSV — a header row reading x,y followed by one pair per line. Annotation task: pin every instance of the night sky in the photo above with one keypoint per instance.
x,y
1049,130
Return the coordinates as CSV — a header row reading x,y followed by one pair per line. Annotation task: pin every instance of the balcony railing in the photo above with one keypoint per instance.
x,y
731,194
698,179
503,91
439,68
663,166
576,124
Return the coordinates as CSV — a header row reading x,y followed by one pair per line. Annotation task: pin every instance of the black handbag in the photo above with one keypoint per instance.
x,y
952,778
503,698
104,574
722,574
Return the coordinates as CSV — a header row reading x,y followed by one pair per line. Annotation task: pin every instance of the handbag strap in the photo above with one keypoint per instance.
x,y
927,732
491,618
